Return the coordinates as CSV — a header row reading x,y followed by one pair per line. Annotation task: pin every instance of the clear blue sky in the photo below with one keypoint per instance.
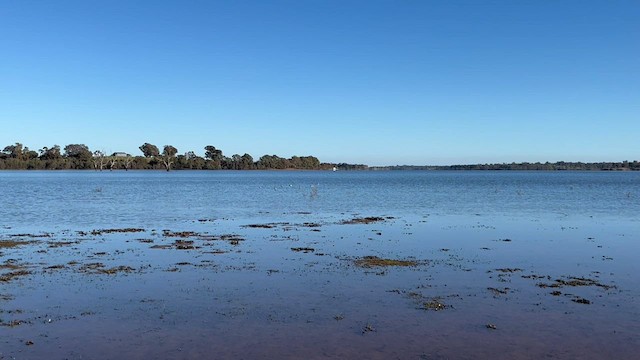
x,y
374,82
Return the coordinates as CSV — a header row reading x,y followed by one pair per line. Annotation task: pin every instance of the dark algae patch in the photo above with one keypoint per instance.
x,y
6,277
112,231
261,226
303,249
434,304
374,261
7,244
580,300
364,220
575,281
115,270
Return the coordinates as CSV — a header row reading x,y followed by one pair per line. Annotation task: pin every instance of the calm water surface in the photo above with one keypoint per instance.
x,y
493,248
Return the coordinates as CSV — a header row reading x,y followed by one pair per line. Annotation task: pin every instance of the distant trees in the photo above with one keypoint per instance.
x,y
547,166
149,150
79,156
98,160
77,151
214,155
50,153
14,151
168,156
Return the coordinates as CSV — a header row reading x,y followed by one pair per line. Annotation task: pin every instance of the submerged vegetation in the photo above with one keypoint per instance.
x,y
374,261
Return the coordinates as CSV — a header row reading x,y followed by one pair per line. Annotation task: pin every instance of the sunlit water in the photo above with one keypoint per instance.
x,y
259,299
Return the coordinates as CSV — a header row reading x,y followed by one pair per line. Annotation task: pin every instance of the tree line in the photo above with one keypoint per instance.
x,y
556,166
79,156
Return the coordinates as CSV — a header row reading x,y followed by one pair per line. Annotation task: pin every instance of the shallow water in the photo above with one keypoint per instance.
x,y
486,244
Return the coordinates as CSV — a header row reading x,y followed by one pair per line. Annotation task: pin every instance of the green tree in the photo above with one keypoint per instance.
x,y
246,162
214,156
149,150
52,153
14,151
79,151
79,156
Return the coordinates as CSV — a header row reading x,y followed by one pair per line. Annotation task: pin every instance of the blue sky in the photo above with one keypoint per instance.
x,y
374,82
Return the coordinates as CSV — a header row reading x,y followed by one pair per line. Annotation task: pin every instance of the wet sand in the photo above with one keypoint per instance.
x,y
299,285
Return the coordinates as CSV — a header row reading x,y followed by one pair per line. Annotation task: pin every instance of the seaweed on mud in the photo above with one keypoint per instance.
x,y
368,328
180,234
215,252
434,304
12,323
178,245
6,277
43,235
183,245
374,261
166,246
6,244
99,268
110,231
364,220
260,226
57,244
534,276
10,265
233,239
509,270
497,291
90,267
55,267
115,270
580,300
303,249
575,281
310,225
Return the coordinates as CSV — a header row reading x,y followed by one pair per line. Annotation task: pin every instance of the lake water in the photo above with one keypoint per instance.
x,y
216,264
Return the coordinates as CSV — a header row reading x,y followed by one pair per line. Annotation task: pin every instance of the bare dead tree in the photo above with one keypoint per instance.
x,y
127,162
168,156
112,162
98,160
